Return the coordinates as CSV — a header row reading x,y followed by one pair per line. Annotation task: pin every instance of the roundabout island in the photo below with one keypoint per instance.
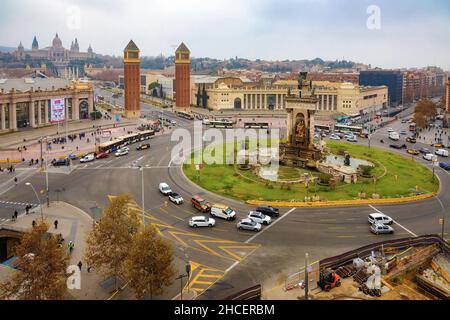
x,y
391,176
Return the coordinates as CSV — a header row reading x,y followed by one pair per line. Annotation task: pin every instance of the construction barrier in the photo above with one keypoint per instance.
x,y
253,293
342,203
335,262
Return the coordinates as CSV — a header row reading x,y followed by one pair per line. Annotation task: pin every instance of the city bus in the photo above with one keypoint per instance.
x,y
117,143
185,115
323,127
348,129
225,124
256,125
343,119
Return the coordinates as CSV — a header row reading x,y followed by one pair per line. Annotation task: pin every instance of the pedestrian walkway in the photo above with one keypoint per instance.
x,y
73,225
16,139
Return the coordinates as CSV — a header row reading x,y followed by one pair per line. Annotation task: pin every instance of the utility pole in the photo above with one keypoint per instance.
x,y
143,196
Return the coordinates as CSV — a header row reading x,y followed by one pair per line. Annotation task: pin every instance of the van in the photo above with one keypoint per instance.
x,y
442,153
394,136
223,212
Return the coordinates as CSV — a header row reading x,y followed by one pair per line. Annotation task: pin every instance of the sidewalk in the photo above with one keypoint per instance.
x,y
74,225
16,139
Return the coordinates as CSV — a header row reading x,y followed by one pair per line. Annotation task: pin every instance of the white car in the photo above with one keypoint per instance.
x,y
165,189
442,153
87,158
176,198
335,137
202,221
223,212
380,218
429,157
121,152
260,218
390,130
206,121
248,224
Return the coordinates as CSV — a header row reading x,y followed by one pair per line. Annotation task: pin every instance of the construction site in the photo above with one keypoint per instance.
x,y
404,269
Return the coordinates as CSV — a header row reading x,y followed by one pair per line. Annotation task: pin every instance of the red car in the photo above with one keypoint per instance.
x,y
102,155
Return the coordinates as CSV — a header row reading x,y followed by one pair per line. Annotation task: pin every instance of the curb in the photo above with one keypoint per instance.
x,y
344,203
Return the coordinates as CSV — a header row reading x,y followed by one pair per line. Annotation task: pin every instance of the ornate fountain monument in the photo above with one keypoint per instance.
x,y
300,150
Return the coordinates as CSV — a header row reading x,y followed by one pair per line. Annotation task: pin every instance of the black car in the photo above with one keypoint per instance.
x,y
61,163
268,211
424,151
398,146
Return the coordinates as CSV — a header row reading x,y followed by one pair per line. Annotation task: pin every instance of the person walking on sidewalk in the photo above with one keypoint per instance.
x,y
56,224
80,265
71,246
15,181
16,214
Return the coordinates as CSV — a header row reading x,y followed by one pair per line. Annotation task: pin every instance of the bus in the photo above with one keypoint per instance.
x,y
343,119
348,129
256,125
117,143
185,115
323,127
225,124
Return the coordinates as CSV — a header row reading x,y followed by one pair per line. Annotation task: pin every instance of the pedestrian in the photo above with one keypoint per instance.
x,y
15,181
16,214
33,223
89,269
80,265
56,224
71,246
27,209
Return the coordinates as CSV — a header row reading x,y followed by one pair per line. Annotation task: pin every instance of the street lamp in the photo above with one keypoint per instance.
x,y
141,169
37,196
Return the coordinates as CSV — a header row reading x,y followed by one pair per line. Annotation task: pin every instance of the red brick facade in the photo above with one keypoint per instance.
x,y
183,85
132,86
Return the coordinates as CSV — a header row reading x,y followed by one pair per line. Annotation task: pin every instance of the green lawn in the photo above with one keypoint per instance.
x,y
397,175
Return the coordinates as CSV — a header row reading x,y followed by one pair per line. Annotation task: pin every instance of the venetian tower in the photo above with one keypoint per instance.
x,y
132,80
183,78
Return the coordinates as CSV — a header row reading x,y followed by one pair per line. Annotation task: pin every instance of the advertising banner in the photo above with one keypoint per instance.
x,y
58,110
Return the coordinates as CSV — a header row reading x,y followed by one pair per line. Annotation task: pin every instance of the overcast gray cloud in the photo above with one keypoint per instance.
x,y
413,33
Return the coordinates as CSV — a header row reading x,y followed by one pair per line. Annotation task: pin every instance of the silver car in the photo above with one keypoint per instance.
x,y
379,228
248,224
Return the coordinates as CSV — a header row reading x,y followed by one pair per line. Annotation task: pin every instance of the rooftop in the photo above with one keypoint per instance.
x,y
25,84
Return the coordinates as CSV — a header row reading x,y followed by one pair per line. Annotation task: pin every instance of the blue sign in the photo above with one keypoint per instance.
x,y
118,117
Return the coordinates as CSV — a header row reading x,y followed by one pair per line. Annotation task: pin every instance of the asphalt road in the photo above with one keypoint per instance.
x,y
224,259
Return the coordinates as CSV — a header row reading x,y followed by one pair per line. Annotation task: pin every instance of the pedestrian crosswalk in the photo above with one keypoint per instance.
x,y
16,205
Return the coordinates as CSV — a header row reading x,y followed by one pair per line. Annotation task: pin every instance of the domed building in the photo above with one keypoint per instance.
x,y
56,53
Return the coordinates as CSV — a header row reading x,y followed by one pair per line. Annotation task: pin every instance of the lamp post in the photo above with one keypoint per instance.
x,y
37,196
141,169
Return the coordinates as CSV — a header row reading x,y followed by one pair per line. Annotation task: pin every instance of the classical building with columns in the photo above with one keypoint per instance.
x,y
242,94
25,102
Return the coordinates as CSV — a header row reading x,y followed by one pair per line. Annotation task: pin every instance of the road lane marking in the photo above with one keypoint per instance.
x,y
404,228
270,226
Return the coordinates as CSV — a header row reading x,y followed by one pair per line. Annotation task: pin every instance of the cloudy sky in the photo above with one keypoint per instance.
x,y
409,33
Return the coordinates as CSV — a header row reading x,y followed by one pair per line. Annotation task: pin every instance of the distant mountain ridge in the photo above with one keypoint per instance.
x,y
7,49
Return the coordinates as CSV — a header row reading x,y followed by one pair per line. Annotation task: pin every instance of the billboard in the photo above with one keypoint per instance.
x,y
57,110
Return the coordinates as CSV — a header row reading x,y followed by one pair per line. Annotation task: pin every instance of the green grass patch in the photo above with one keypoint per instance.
x,y
396,177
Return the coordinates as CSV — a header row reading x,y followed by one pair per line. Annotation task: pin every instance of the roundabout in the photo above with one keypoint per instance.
x,y
392,176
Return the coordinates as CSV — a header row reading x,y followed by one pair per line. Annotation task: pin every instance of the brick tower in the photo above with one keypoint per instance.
x,y
182,78
132,70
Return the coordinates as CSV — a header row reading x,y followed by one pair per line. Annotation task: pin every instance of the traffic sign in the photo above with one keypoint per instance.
x,y
441,222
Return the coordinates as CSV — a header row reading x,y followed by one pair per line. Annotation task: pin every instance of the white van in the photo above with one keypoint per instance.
x,y
394,136
223,212
442,153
